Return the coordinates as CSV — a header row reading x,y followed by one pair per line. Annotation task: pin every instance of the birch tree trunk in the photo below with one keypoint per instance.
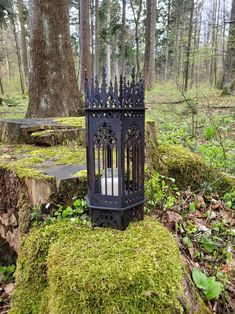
x,y
149,59
53,89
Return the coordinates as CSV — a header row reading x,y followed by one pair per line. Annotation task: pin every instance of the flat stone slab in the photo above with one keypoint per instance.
x,y
64,172
46,132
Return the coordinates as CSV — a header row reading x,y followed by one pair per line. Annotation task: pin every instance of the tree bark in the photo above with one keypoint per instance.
x,y
228,82
149,59
97,39
1,84
123,39
108,47
92,23
23,40
85,58
53,89
176,42
188,51
167,39
19,61
137,16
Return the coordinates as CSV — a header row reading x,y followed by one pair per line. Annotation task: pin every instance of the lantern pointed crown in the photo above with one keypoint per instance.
x,y
123,94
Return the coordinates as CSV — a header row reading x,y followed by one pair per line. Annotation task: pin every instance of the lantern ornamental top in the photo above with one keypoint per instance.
x,y
128,95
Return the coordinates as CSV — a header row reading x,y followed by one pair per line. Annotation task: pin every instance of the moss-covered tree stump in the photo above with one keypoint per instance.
x,y
188,168
48,132
63,269
30,178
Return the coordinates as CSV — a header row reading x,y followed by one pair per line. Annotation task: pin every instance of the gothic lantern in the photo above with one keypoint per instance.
x,y
115,118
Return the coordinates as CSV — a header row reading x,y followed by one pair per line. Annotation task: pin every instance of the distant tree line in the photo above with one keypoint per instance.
x,y
46,46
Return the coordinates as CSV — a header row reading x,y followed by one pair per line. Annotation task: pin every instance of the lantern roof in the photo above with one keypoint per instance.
x,y
118,95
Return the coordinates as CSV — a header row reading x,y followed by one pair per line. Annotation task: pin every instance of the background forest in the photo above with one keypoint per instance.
x,y
185,51
189,38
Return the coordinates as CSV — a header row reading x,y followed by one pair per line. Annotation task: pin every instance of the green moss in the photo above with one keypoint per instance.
x,y
63,268
41,133
31,273
82,174
72,121
29,161
188,169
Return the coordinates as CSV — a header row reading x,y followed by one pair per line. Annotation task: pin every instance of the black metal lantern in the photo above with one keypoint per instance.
x,y
115,120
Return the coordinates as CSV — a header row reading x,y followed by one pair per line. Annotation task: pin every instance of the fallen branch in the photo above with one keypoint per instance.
x,y
170,102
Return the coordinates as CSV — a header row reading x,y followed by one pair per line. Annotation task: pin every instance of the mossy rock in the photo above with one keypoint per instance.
x,y
29,161
63,269
72,121
188,168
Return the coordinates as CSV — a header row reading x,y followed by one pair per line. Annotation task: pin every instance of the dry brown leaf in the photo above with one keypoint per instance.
x,y
199,202
171,218
228,217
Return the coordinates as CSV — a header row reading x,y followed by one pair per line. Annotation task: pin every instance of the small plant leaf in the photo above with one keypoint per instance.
x,y
214,289
192,207
77,203
187,241
200,279
208,245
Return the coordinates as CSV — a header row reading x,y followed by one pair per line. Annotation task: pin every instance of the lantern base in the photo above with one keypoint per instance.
x,y
118,219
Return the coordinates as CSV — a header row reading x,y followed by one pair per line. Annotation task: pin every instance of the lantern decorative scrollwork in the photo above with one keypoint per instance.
x,y
115,151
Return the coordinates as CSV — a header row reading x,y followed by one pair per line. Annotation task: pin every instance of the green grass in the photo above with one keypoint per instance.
x,y
14,106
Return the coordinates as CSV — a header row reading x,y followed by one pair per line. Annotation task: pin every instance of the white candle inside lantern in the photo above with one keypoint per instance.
x,y
110,181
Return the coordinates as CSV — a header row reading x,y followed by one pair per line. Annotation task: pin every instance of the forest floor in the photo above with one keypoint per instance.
x,y
200,119
203,223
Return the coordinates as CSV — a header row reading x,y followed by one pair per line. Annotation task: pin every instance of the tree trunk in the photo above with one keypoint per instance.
x,y
108,47
137,16
97,41
18,56
85,58
53,89
23,40
176,42
92,19
216,42
117,62
167,39
188,51
123,39
149,58
1,86
228,82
